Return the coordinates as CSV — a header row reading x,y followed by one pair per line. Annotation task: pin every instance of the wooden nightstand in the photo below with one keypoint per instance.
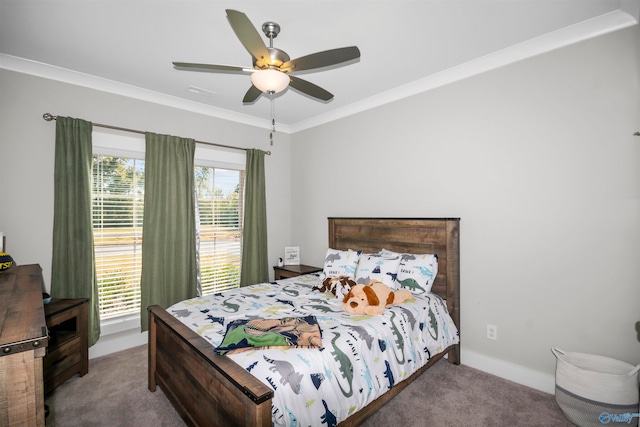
x,y
293,271
68,351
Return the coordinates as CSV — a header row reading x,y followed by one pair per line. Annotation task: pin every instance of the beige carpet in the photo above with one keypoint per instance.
x,y
114,393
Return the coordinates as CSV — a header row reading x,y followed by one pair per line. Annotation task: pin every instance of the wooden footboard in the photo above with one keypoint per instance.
x,y
206,389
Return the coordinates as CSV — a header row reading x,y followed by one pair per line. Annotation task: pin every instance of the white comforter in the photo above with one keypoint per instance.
x,y
362,356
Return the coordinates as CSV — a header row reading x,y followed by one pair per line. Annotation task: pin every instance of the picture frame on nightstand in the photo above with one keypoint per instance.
x,y
292,255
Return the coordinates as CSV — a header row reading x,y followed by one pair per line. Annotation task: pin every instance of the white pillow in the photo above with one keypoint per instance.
x,y
381,267
340,263
417,272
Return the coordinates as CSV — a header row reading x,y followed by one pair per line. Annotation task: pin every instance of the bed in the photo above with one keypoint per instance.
x,y
211,389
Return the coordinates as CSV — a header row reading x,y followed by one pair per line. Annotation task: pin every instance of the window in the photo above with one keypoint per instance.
x,y
118,194
118,198
219,208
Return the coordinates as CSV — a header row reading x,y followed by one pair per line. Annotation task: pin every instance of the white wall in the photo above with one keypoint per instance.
x,y
539,161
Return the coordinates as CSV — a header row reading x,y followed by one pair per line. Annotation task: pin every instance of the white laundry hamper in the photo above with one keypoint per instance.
x,y
596,390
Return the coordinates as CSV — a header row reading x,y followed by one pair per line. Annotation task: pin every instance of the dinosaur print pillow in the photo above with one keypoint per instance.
x,y
340,263
378,266
263,333
417,272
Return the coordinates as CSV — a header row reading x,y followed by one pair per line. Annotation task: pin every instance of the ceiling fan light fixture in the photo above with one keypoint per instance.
x,y
270,80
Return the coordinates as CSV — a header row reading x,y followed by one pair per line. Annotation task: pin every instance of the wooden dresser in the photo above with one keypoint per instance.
x,y
23,343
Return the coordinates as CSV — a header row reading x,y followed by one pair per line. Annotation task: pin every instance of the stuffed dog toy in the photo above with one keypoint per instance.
x,y
372,299
338,286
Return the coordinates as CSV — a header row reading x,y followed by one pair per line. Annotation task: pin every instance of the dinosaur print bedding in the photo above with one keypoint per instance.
x,y
361,356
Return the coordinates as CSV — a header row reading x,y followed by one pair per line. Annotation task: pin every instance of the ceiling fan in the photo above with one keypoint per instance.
x,y
271,66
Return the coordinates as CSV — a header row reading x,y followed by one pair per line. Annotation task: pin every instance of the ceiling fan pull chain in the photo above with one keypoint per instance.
x,y
273,118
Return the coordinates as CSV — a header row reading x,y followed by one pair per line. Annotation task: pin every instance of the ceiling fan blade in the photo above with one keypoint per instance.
x,y
321,59
249,37
211,68
252,94
310,89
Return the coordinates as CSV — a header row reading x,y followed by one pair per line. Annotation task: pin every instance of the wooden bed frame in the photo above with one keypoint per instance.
x,y
207,389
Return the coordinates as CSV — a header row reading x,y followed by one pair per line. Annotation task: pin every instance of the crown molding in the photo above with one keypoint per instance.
x,y
51,72
584,30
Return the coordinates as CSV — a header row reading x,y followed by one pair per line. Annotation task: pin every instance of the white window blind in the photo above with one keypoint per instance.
x,y
220,213
118,194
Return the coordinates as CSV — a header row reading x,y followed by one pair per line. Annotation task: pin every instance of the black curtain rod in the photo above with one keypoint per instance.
x,y
48,117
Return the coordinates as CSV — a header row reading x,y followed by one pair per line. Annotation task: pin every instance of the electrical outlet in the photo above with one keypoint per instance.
x,y
492,332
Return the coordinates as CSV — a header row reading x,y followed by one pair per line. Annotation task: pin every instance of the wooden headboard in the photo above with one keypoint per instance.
x,y
440,236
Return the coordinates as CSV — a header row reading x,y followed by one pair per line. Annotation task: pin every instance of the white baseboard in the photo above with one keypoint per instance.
x,y
509,371
113,343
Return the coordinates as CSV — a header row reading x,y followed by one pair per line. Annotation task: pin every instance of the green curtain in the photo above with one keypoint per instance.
x,y
169,231
255,263
73,273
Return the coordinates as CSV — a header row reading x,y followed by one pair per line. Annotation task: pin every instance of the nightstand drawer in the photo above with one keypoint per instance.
x,y
62,359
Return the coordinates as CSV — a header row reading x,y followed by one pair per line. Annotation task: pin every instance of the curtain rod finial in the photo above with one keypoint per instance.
x,y
637,134
48,117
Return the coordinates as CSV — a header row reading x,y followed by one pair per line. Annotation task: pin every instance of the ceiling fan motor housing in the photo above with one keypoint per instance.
x,y
278,57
